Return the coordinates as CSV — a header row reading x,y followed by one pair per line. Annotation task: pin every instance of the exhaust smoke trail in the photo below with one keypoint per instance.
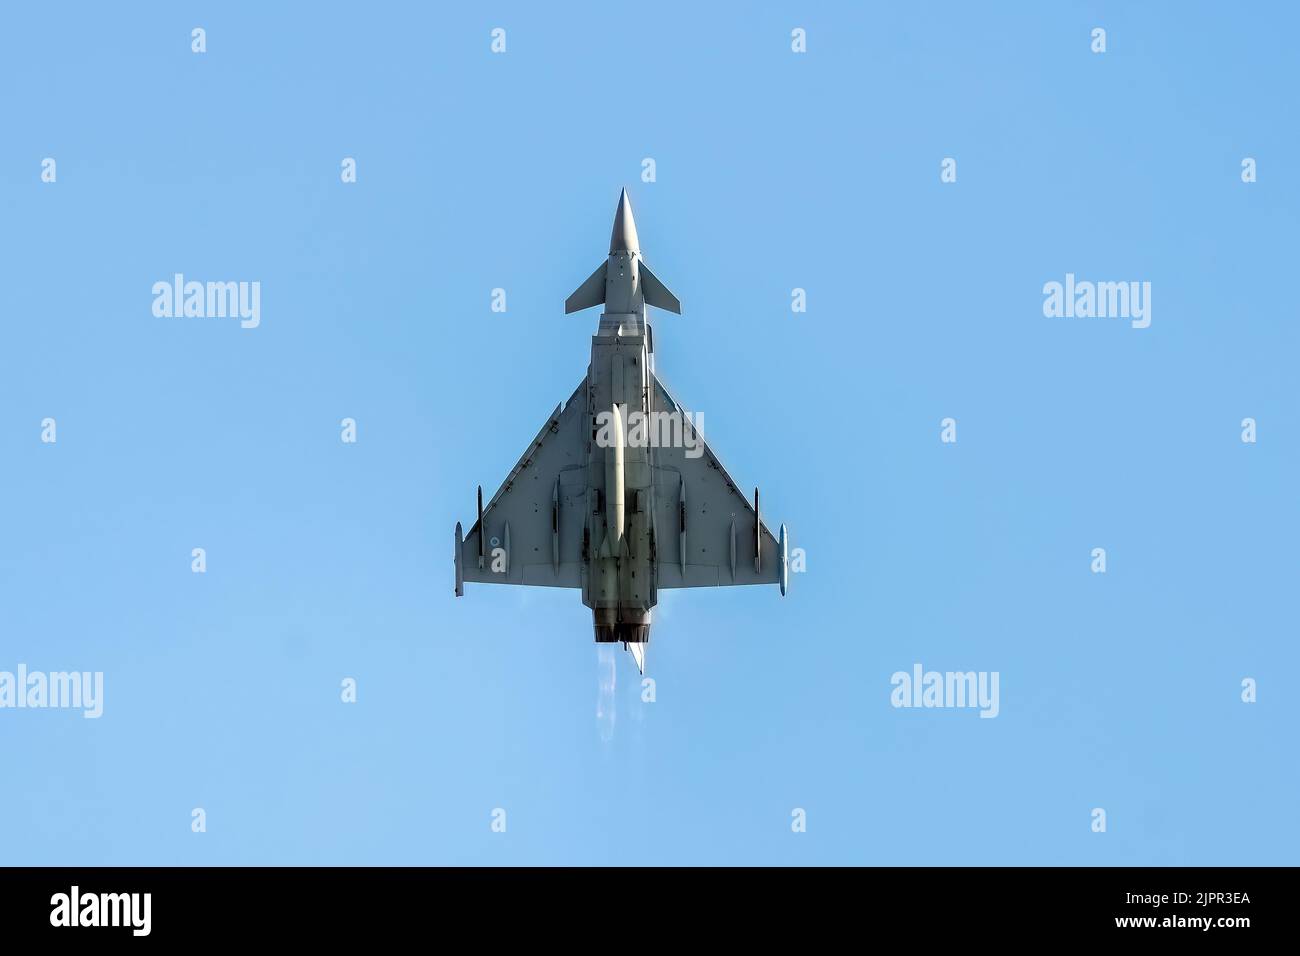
x,y
606,707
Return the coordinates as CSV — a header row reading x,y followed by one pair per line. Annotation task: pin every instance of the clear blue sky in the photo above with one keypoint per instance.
x,y
775,171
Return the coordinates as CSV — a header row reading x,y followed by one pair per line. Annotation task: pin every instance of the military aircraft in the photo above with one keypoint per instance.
x,y
619,495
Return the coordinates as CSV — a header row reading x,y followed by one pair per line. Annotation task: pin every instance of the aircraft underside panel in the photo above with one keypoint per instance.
x,y
719,520
524,504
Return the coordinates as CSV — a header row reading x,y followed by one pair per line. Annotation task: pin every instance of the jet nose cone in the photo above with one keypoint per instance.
x,y
624,237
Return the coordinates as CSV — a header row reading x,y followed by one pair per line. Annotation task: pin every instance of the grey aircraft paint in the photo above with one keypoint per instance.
x,y
618,519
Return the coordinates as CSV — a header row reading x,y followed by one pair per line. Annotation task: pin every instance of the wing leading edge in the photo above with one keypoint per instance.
x,y
531,531
708,531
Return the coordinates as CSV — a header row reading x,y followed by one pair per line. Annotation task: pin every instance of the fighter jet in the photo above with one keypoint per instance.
x,y
619,495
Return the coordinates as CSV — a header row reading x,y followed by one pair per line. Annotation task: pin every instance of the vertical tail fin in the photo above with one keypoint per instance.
x,y
637,650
